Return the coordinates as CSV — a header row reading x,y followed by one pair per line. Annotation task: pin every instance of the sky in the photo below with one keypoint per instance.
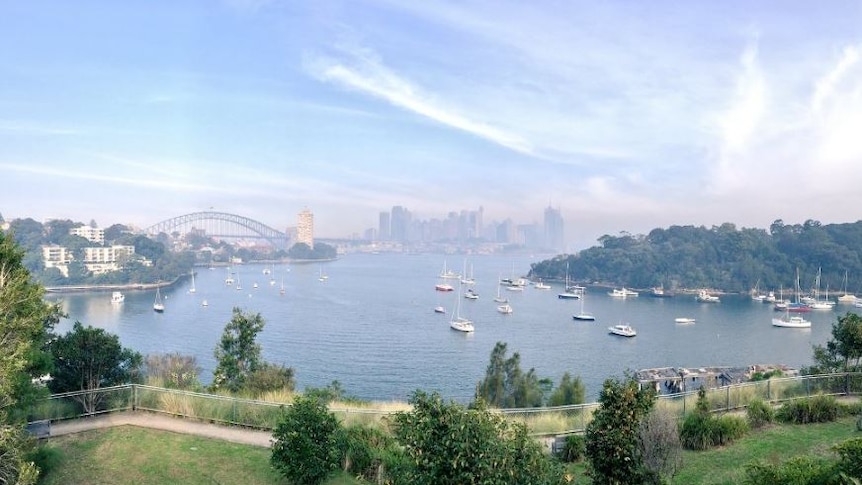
x,y
625,115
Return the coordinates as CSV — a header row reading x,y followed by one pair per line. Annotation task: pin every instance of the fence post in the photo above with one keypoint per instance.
x,y
807,387
847,384
134,397
768,393
727,398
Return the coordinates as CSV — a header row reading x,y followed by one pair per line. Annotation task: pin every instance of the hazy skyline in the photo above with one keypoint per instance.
x,y
625,115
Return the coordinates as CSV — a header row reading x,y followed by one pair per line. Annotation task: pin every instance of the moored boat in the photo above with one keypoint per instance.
x,y
623,330
788,321
117,297
684,320
505,308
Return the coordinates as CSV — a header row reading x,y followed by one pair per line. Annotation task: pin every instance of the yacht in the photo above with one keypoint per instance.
x,y
704,297
541,286
615,293
622,330
471,295
788,321
505,308
439,309
117,297
684,320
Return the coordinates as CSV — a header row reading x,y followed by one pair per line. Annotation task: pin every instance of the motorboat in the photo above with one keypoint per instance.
x,y
439,309
615,293
623,330
541,286
703,296
684,320
788,321
205,303
117,297
443,287
505,308
471,295
630,293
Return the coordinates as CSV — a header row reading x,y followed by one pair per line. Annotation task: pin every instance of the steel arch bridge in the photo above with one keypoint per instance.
x,y
220,225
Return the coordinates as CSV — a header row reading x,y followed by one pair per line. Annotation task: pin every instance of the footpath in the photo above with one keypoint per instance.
x,y
234,434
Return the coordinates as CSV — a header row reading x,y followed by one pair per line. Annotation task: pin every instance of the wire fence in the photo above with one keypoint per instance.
x,y
544,421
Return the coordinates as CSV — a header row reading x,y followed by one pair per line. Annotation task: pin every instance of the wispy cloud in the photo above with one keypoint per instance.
x,y
31,128
362,70
825,86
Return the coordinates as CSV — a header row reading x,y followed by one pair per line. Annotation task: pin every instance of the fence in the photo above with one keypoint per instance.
x,y
546,421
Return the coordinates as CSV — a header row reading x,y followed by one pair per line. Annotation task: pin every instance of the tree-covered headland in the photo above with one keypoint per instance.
x,y
723,257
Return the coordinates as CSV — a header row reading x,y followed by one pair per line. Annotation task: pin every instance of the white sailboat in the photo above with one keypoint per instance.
x,y
567,293
584,316
458,322
281,291
505,309
499,298
193,289
158,306
323,276
846,297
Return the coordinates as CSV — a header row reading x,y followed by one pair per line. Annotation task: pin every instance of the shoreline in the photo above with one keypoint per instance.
x,y
105,288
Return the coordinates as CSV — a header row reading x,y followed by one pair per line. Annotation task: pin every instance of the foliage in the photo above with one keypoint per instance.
x,y
612,435
371,454
850,457
174,370
759,413
762,376
448,444
573,449
15,468
798,470
237,353
702,430
269,377
320,251
89,358
724,256
817,409
570,391
305,442
659,446
505,385
844,350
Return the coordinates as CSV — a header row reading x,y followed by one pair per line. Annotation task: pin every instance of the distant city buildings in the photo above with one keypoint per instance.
x,y
554,233
305,228
97,259
92,234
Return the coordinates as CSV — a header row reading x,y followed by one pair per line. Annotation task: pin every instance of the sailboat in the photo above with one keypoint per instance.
x,y
322,277
158,306
846,297
499,298
281,291
458,322
584,316
567,293
192,289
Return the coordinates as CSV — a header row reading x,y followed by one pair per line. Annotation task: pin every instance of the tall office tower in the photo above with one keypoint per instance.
x,y
383,231
305,228
554,234
399,224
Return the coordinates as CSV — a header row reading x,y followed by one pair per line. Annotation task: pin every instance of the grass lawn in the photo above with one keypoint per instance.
x,y
132,455
773,444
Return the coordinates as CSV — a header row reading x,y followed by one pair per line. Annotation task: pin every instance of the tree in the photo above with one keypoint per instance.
x,y
268,378
237,353
570,391
174,370
448,444
844,350
88,359
305,442
612,435
659,445
505,385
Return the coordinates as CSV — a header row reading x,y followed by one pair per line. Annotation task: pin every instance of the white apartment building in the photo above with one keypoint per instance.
x,y
59,257
305,228
92,234
104,260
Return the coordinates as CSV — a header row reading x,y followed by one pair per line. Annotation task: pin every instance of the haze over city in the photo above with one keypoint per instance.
x,y
624,115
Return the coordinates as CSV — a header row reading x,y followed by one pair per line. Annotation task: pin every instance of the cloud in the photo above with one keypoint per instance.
x,y
363,71
825,86
30,128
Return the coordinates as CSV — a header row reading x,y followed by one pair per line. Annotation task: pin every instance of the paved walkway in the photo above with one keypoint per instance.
x,y
164,422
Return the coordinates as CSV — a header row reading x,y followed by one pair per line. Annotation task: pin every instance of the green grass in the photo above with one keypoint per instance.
x,y
132,455
773,444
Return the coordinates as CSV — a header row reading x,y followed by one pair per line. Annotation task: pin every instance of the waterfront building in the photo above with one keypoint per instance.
x,y
104,260
55,256
305,228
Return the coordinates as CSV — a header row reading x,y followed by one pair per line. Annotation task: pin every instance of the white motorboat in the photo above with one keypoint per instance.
x,y
443,287
439,309
703,296
541,286
471,295
622,330
205,303
684,320
505,308
615,293
117,297
788,321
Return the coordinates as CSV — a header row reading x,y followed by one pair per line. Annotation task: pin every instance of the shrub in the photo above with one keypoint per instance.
x,y
305,442
728,429
859,424
702,431
850,457
818,409
45,458
759,413
799,470
659,446
573,449
363,452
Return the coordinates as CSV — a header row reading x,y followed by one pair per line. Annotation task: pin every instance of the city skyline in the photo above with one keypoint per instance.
x,y
628,117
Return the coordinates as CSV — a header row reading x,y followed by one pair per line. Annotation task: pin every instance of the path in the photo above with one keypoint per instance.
x,y
163,422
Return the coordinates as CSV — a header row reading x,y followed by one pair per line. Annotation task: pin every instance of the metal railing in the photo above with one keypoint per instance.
x,y
544,421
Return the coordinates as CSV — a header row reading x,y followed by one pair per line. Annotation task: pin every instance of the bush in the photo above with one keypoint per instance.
x,y
659,446
799,470
818,409
759,413
859,424
365,452
45,458
850,457
305,442
702,431
573,449
728,429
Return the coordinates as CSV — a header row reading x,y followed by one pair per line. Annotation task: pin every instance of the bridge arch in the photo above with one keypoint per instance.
x,y
220,224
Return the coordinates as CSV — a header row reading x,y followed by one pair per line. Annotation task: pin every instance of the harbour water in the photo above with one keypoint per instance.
x,y
370,325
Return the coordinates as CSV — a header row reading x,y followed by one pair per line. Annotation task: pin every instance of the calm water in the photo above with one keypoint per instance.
x,y
371,326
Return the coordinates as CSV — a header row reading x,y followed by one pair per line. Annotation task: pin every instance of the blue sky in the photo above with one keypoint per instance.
x,y
626,115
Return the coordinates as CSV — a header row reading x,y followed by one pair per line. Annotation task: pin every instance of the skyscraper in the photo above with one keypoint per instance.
x,y
305,228
554,234
383,230
399,224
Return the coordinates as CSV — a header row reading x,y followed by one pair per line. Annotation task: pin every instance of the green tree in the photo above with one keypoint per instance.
x,y
570,391
88,359
612,435
448,444
844,350
305,442
269,377
238,353
505,385
300,251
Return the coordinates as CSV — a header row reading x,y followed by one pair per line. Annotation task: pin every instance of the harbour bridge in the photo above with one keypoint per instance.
x,y
220,225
